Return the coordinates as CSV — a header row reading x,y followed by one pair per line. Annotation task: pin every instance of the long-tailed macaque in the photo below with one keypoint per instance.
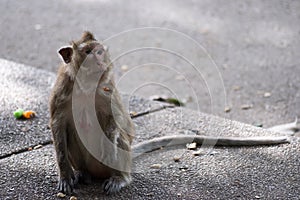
x,y
115,131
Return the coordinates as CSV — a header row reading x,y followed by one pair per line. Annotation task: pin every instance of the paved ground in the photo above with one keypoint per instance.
x,y
29,171
255,45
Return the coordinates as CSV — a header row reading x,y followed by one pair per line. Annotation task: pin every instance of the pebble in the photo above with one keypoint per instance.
x,y
37,27
150,194
246,106
60,195
24,129
258,124
124,68
133,113
213,152
156,166
197,153
267,94
184,167
176,158
236,88
227,109
38,146
191,146
179,77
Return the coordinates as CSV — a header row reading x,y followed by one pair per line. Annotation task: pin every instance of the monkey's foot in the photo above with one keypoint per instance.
x,y
66,185
114,184
82,178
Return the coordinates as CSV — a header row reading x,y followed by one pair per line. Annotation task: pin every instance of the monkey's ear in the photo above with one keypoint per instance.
x,y
87,36
66,54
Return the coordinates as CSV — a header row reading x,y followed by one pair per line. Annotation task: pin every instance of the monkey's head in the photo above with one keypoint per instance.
x,y
87,52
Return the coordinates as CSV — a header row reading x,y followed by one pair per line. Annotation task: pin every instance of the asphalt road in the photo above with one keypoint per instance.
x,y
254,45
211,54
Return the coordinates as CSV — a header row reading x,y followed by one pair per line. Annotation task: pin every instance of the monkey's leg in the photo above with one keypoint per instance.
x,y
66,174
82,177
120,179
77,157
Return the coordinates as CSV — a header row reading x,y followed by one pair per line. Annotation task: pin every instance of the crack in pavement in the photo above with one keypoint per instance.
x,y
47,142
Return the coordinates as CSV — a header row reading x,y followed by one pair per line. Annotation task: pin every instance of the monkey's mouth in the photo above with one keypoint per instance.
x,y
97,66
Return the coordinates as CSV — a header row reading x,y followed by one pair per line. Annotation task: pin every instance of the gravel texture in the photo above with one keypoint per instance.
x,y
255,45
264,172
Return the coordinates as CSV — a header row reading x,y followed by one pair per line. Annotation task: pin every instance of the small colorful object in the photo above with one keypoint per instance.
x,y
20,113
28,114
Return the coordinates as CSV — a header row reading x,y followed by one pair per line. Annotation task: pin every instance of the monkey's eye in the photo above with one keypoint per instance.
x,y
88,51
100,51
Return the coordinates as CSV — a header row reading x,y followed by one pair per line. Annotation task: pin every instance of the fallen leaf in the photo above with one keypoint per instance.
x,y
174,101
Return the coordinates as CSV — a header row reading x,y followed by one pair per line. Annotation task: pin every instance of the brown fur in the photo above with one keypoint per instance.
x,y
70,151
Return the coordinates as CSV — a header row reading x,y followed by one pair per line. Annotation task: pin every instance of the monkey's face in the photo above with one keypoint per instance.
x,y
93,57
87,54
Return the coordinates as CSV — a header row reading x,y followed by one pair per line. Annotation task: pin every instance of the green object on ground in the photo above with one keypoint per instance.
x,y
18,113
174,101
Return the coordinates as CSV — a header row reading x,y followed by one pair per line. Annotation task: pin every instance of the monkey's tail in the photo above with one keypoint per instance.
x,y
157,143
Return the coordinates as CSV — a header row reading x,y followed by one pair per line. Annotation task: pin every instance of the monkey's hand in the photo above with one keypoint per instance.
x,y
66,184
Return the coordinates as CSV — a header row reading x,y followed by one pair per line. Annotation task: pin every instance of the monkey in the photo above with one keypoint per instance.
x,y
76,161
71,154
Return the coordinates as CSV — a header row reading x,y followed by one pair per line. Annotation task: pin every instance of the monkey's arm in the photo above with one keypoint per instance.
x,y
160,142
